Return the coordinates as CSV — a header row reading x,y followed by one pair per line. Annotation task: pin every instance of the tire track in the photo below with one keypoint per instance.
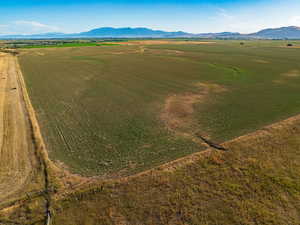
x,y
16,148
21,170
36,138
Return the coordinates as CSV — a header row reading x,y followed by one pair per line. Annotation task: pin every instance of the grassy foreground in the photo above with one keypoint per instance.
x,y
101,108
256,182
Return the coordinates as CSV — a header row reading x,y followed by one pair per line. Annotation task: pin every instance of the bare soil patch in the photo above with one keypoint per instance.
x,y
118,53
40,53
177,52
165,51
292,73
178,111
287,76
261,61
289,46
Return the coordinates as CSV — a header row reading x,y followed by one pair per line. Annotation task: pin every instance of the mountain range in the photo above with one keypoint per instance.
x,y
291,32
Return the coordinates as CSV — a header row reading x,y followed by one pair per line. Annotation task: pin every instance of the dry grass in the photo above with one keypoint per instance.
x,y
285,77
163,42
290,46
292,73
261,61
178,110
256,182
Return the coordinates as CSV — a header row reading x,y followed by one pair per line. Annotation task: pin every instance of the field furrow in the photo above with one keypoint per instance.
x,y
109,114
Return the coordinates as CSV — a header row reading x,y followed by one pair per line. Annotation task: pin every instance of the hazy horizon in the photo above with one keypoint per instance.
x,y
34,17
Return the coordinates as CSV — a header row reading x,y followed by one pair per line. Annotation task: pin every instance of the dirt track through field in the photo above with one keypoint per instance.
x,y
18,164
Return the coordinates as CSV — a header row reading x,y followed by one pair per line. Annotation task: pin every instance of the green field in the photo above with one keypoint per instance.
x,y
65,45
100,108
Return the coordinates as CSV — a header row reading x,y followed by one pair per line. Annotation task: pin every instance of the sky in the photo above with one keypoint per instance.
x,y
195,16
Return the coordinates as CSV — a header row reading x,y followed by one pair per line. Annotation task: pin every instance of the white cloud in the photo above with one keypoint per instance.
x,y
224,14
36,25
295,20
3,28
228,21
248,21
26,27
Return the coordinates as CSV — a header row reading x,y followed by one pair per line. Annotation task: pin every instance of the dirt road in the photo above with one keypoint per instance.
x,y
18,164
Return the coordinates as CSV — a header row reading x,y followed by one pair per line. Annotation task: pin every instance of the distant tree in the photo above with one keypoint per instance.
x,y
289,45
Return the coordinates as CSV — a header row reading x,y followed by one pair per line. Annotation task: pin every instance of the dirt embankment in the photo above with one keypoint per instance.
x,y
22,150
27,176
21,176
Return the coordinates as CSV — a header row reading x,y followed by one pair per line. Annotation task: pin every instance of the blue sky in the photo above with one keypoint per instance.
x,y
197,16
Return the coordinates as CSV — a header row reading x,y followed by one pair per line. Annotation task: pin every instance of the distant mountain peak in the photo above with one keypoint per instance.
x,y
132,32
290,32
294,27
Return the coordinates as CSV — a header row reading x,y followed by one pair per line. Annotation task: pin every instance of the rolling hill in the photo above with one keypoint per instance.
x,y
132,32
291,32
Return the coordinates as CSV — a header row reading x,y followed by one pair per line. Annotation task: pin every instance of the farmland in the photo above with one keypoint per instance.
x,y
56,43
257,178
64,45
151,116
117,110
256,182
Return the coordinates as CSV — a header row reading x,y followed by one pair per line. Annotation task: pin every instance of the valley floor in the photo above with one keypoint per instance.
x,y
255,182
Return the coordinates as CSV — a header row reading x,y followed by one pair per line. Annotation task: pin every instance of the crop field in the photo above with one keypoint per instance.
x,y
64,45
117,110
